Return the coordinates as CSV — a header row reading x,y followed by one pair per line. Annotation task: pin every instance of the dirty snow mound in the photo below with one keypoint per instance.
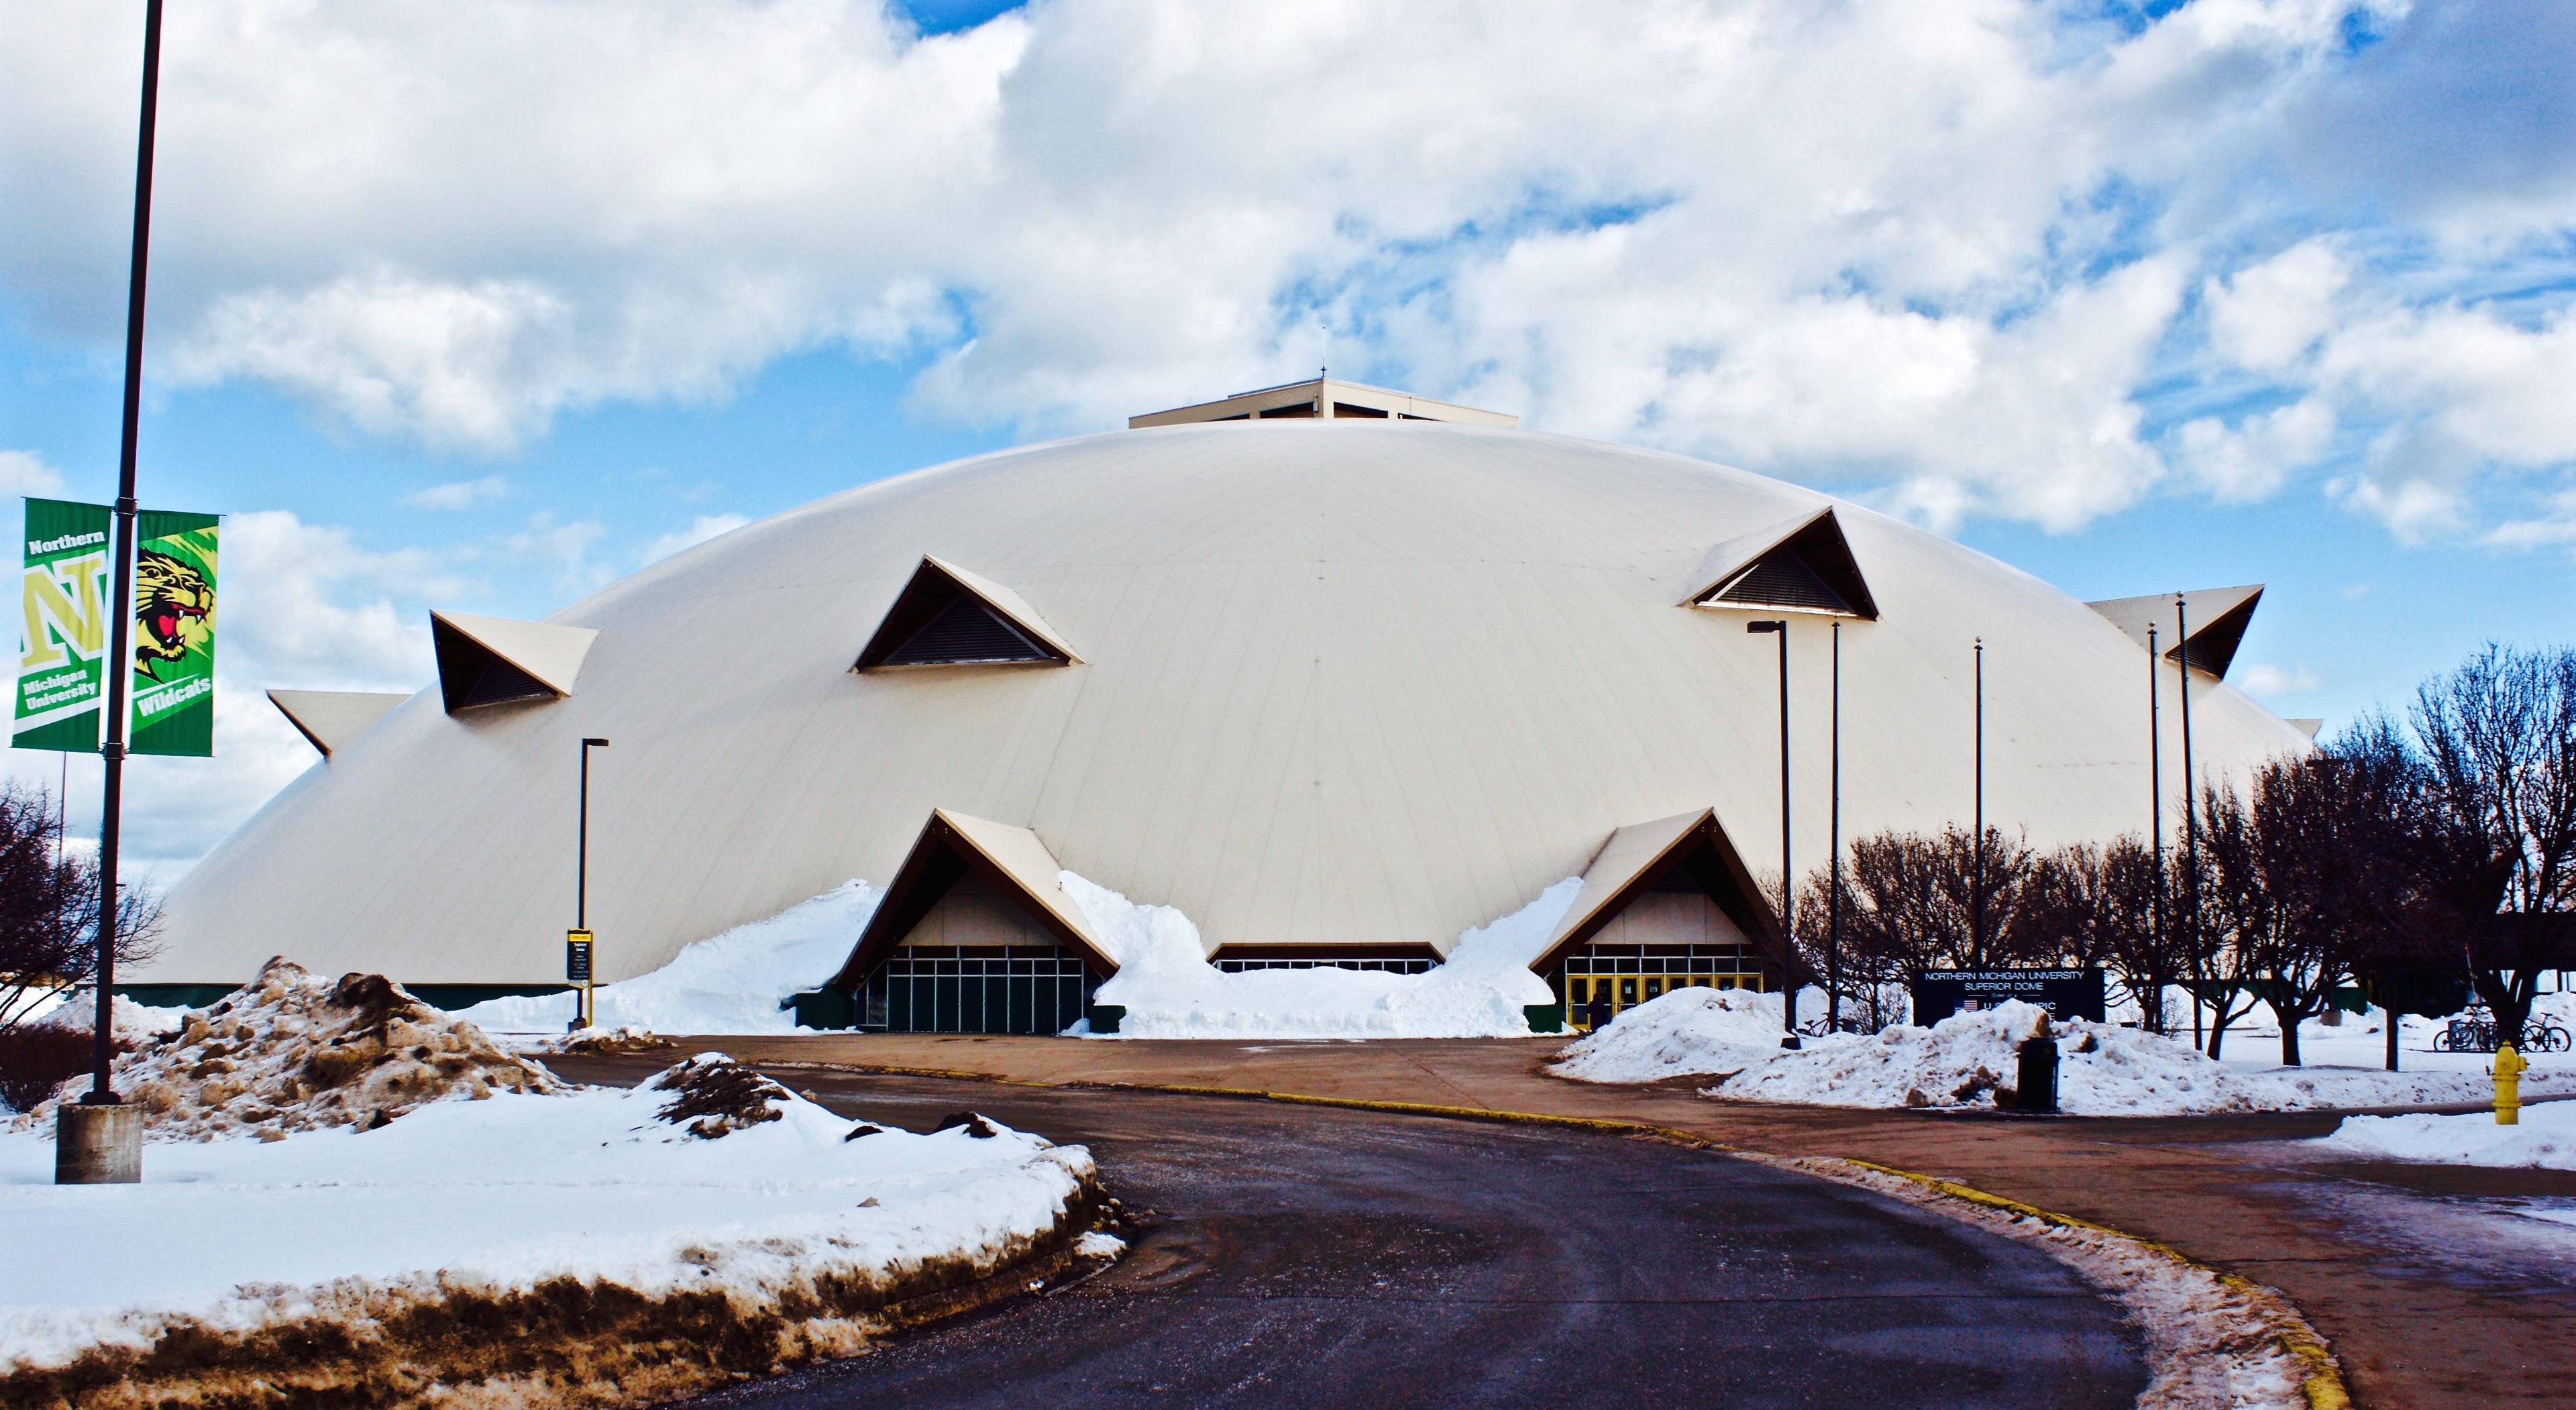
x,y
2545,1138
728,983
1169,989
292,1052
1964,1059
1686,1033
714,1096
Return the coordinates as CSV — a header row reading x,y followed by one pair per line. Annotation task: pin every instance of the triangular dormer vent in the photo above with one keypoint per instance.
x,y
494,660
1783,579
2216,617
1800,565
947,616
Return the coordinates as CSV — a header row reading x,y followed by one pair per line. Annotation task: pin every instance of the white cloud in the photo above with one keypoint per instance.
x,y
2267,317
563,547
458,494
24,472
2267,680
700,529
2250,460
1854,240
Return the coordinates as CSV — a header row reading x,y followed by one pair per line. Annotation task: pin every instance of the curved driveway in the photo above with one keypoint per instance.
x,y
1304,1256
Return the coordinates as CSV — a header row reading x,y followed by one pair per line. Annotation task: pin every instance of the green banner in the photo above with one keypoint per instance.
x,y
62,655
174,634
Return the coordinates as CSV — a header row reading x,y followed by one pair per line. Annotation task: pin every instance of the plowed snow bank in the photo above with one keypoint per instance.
x,y
1169,989
2545,1138
2105,1070
628,1241
293,1052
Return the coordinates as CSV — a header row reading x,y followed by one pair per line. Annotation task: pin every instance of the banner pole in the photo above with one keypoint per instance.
x,y
102,1090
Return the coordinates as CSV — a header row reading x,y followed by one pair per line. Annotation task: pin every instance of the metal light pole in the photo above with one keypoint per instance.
x,y
2190,810
102,1090
1977,869
581,886
101,1143
2155,812
1788,878
1834,866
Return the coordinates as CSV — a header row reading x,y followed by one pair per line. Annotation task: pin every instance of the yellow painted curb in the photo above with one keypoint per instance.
x,y
2323,1387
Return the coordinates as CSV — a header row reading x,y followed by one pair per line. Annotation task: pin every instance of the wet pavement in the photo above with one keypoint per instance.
x,y
2435,1287
1302,1256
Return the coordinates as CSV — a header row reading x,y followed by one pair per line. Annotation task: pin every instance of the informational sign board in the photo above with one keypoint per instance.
x,y
2065,993
577,956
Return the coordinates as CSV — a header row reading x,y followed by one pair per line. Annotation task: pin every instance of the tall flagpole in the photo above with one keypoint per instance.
x,y
1977,887
2155,816
102,1091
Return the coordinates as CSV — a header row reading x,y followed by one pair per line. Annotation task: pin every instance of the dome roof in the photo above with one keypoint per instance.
x,y
1329,682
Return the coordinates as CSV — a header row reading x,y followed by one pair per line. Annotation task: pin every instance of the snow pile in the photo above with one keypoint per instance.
x,y
1694,1032
348,1265
728,983
2546,1138
1169,989
1961,1061
292,1052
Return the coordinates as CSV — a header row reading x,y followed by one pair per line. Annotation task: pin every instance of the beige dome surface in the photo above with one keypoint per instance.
x,y
1338,683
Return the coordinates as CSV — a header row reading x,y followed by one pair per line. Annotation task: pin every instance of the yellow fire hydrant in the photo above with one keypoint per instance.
x,y
2508,1080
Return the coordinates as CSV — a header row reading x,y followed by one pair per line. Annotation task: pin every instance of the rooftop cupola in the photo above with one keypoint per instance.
x,y
1323,398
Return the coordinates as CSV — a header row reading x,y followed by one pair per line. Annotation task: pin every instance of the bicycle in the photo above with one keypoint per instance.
x,y
2475,1032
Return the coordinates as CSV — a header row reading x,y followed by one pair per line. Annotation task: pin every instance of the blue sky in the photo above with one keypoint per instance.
x,y
2132,297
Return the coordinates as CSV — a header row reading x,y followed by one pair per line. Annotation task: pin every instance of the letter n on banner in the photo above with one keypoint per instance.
x,y
62,653
174,633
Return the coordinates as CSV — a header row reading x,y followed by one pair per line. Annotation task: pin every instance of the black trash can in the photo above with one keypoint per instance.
x,y
2037,1094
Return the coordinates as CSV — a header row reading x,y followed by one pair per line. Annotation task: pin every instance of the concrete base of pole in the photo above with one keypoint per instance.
x,y
98,1145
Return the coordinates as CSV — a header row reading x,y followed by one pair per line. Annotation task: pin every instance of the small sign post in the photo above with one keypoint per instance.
x,y
577,971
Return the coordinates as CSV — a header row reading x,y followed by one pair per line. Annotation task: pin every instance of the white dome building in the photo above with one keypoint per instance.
x,y
1338,688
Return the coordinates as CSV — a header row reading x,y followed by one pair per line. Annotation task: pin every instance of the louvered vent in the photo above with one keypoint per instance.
x,y
1781,578
966,632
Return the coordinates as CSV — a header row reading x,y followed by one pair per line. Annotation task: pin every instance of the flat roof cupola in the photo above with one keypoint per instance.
x,y
1323,398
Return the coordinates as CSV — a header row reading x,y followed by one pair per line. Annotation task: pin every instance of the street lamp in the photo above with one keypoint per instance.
x,y
1788,879
577,941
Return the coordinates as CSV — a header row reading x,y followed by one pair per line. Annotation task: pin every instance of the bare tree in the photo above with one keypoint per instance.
x,y
2498,740
2099,904
49,910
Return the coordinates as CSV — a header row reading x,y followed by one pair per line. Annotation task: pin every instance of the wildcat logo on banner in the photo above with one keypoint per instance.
x,y
62,655
174,634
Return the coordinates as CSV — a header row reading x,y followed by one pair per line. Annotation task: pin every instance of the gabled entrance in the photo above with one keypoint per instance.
x,y
975,935
1665,905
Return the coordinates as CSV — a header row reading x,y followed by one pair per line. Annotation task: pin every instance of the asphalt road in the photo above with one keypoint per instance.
x,y
1301,1256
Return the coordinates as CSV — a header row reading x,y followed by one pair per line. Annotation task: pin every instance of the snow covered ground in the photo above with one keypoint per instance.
x,y
1733,1037
405,1176
1170,990
734,982
728,983
2545,1137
